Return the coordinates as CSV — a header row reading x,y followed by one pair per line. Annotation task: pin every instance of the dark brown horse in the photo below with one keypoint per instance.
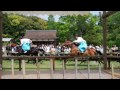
x,y
76,52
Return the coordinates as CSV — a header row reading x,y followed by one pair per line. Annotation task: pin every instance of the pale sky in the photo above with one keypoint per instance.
x,y
57,16
46,17
95,12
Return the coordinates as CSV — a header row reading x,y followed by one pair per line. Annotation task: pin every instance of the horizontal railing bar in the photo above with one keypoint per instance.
x,y
48,57
61,57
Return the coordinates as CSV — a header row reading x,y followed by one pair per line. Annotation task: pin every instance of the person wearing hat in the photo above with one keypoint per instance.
x,y
82,43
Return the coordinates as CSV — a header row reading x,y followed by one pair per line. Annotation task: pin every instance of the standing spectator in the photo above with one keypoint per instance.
x,y
53,50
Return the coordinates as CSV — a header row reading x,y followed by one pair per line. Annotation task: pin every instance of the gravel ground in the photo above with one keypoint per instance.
x,y
58,74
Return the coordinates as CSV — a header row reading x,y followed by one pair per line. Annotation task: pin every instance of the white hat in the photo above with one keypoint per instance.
x,y
80,39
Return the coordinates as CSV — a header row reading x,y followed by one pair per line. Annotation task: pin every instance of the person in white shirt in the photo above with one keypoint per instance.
x,y
82,43
26,44
53,50
47,49
25,40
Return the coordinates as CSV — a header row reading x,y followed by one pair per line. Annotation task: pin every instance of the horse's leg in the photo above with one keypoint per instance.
x,y
109,64
27,61
41,61
65,61
34,60
82,62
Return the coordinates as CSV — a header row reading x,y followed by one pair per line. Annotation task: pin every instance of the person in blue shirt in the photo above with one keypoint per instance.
x,y
82,43
26,44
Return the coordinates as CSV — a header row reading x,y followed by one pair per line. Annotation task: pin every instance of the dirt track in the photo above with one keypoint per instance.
x,y
58,74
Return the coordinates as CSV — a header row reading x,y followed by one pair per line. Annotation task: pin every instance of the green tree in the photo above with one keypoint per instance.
x,y
14,25
94,30
85,26
114,29
51,22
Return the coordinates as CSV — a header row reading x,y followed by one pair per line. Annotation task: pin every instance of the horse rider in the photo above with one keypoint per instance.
x,y
25,43
82,43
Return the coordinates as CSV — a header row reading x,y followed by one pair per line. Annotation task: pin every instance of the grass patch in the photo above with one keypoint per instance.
x,y
58,65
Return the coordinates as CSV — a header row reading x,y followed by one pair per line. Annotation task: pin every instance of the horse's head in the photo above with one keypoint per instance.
x,y
67,43
74,48
13,45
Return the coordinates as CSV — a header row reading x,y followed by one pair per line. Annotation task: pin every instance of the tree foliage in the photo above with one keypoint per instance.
x,y
87,26
51,22
114,29
14,25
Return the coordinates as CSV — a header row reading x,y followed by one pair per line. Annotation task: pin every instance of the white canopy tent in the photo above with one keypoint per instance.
x,y
4,46
6,39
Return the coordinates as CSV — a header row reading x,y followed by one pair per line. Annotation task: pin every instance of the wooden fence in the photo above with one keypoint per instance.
x,y
53,58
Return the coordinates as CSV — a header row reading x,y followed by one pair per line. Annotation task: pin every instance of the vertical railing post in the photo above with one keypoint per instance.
x,y
23,68
51,68
112,72
76,71
63,66
38,69
12,66
99,71
88,69
53,64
